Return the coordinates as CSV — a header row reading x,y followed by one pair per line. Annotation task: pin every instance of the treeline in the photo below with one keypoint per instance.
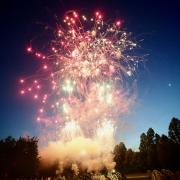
x,y
155,151
19,157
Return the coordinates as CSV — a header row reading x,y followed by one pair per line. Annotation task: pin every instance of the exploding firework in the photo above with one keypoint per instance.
x,y
81,89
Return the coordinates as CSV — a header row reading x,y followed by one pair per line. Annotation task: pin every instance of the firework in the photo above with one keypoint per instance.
x,y
80,86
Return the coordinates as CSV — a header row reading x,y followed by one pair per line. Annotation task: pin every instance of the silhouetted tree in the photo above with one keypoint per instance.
x,y
174,130
148,149
155,155
7,157
18,158
164,152
128,164
151,149
174,135
136,162
27,156
157,137
143,151
119,156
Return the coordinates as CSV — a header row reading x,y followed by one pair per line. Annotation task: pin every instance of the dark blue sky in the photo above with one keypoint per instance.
x,y
157,22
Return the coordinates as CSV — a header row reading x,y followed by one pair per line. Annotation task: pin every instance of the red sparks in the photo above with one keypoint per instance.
x,y
41,110
29,89
45,67
75,54
22,92
29,49
38,87
118,23
35,96
38,119
38,55
100,16
22,81
75,14
97,13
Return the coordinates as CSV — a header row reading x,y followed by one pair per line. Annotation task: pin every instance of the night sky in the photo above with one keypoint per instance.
x,y
158,85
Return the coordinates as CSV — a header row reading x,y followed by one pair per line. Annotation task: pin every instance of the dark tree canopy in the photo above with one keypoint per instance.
x,y
143,143
174,130
119,155
18,158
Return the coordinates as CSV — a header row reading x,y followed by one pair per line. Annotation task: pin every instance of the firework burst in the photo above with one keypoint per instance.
x,y
81,82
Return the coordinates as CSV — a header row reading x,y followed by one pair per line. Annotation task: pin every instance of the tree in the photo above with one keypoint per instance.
x,y
150,136
143,143
7,147
156,141
18,158
27,156
143,150
164,152
157,138
151,149
136,163
148,149
174,130
119,156
128,159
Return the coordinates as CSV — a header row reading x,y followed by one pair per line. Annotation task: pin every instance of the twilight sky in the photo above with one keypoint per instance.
x,y
158,86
